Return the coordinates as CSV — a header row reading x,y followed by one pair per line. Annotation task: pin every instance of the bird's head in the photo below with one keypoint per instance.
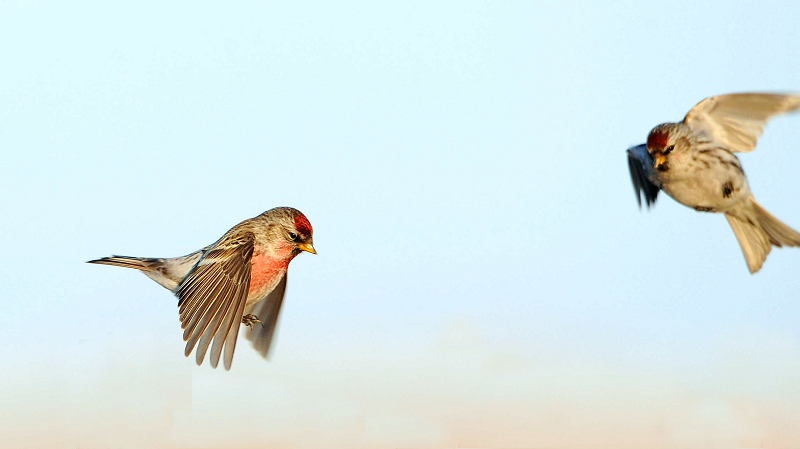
x,y
665,141
301,233
293,228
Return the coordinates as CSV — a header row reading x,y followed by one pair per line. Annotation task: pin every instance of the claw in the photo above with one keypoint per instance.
x,y
249,319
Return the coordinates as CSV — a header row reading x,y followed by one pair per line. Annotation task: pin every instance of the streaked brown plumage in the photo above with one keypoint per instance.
x,y
693,161
239,279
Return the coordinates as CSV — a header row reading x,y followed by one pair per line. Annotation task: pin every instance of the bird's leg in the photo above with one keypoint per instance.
x,y
249,319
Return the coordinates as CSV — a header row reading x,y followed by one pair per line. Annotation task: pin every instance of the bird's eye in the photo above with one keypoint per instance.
x,y
669,150
293,236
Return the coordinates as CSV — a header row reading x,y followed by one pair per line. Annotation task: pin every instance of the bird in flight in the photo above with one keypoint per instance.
x,y
239,279
693,161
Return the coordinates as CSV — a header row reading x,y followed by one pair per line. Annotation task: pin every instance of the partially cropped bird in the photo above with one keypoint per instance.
x,y
240,279
694,162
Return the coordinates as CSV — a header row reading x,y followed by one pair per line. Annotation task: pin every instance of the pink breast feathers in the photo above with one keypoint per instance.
x,y
265,274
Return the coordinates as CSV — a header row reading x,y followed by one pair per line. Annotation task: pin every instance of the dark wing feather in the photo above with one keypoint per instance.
x,y
213,295
267,311
643,174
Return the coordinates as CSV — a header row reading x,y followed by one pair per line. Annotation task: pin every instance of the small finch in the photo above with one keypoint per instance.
x,y
239,279
694,162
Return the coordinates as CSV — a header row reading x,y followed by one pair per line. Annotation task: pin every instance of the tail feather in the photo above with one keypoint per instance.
x,y
754,241
138,263
167,272
779,233
757,231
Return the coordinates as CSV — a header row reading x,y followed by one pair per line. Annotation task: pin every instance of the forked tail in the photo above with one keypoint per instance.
x,y
757,231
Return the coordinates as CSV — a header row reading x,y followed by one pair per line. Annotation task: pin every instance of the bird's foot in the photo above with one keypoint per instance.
x,y
249,319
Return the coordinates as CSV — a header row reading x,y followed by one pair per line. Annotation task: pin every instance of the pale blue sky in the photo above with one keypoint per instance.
x,y
484,276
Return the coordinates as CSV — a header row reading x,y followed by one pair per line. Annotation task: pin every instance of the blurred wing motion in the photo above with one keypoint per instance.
x,y
643,174
267,311
213,296
735,121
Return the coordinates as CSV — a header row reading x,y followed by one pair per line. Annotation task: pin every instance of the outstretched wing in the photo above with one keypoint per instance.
x,y
735,121
213,296
267,311
643,174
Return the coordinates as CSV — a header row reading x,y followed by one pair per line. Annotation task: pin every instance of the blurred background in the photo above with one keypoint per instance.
x,y
484,277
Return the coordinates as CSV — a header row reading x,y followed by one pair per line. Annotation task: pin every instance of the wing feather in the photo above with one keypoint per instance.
x,y
643,175
230,340
735,121
213,295
221,334
201,295
210,323
205,310
267,311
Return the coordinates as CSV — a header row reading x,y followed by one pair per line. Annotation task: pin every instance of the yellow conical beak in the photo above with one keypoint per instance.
x,y
307,247
660,161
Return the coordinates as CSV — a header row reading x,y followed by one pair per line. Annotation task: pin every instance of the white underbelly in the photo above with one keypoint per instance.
x,y
707,192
